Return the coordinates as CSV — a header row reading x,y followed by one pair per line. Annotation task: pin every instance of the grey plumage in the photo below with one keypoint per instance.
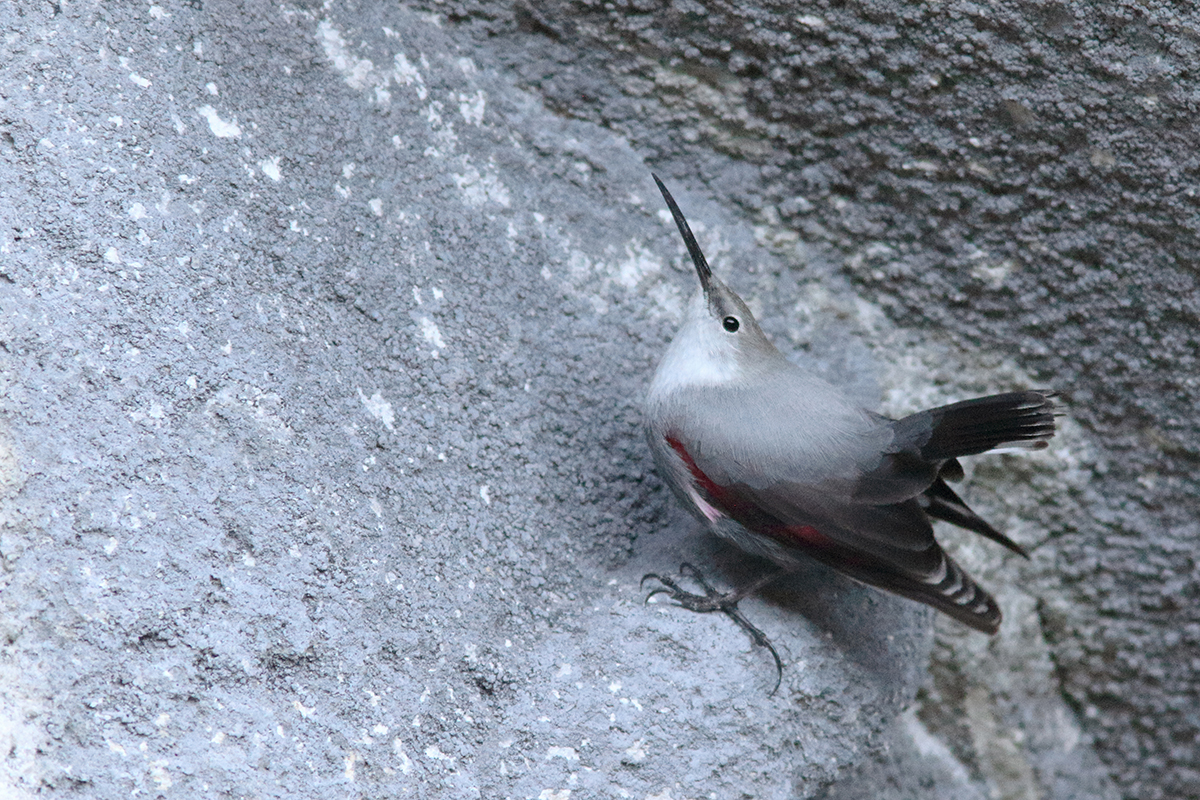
x,y
784,464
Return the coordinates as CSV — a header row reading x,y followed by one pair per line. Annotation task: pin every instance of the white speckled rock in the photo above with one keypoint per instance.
x,y
323,349
323,336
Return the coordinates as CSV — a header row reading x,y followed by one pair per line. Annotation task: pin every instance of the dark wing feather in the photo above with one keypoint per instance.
x,y
898,533
941,502
956,594
889,547
876,529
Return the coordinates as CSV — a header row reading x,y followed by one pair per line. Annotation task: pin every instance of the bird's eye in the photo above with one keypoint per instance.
x,y
731,324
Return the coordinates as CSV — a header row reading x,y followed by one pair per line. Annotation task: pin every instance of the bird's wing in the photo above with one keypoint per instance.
x,y
795,463
941,502
889,546
897,533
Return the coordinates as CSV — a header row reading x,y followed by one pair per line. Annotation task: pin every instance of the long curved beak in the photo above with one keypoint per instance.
x,y
688,239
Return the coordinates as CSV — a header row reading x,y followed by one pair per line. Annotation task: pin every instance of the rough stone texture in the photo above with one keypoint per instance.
x,y
323,347
1021,178
322,339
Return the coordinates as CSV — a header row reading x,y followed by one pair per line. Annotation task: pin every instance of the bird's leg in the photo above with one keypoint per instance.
x,y
726,603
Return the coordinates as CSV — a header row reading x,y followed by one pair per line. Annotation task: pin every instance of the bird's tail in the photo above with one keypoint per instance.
x,y
1022,420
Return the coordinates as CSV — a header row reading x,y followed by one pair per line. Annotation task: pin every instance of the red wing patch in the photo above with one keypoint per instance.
x,y
734,503
956,594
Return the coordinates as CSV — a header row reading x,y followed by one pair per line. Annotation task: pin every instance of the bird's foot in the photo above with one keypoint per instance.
x,y
712,600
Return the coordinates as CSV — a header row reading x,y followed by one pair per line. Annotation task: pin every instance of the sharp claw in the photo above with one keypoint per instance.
x,y
689,570
649,576
656,592
778,669
761,640
725,603
669,586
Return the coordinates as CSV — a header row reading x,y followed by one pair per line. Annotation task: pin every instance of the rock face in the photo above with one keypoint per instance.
x,y
322,342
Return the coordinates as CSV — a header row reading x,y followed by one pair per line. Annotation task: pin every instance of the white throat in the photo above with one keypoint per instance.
x,y
701,354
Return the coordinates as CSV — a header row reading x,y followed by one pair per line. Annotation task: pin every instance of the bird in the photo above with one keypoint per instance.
x,y
788,467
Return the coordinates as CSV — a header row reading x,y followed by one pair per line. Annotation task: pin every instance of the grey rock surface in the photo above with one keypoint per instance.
x,y
323,336
324,474
1012,179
